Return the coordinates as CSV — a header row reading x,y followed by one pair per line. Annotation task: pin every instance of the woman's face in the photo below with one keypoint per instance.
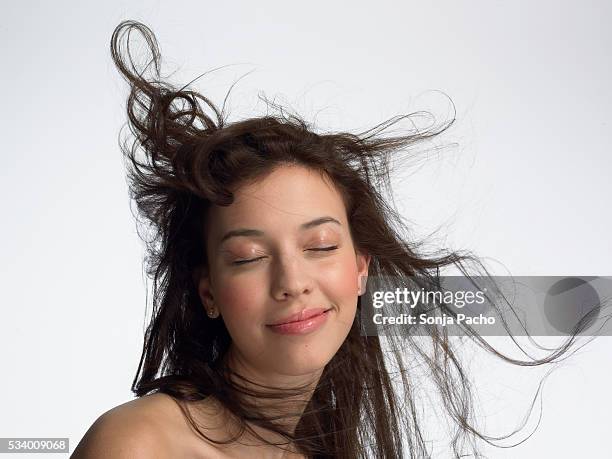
x,y
281,248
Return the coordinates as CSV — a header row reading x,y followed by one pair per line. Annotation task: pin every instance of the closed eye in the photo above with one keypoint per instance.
x,y
325,249
242,262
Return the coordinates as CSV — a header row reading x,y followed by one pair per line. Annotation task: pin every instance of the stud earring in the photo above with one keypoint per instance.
x,y
213,313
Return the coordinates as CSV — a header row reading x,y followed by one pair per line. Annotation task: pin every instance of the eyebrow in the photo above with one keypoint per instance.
x,y
253,232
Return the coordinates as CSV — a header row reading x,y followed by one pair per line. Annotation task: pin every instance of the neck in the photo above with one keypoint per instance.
x,y
273,394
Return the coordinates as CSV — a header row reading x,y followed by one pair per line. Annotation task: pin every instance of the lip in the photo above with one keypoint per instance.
x,y
305,321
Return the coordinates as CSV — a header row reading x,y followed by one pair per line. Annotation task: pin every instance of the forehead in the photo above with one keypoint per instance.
x,y
288,196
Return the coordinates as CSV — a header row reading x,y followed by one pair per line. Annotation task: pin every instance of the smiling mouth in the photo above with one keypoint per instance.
x,y
304,322
305,314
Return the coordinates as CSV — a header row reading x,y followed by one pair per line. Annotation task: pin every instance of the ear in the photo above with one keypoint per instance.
x,y
202,281
363,264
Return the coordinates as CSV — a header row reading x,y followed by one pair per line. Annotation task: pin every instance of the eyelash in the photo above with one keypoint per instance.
x,y
322,249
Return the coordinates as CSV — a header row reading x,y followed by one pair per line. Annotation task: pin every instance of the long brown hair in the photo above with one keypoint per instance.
x,y
185,157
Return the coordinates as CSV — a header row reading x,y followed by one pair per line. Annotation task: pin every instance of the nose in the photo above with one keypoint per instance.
x,y
290,278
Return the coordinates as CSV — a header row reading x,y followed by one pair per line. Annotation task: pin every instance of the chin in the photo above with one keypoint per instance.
x,y
307,360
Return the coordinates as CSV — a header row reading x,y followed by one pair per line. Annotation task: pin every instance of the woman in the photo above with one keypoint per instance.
x,y
263,236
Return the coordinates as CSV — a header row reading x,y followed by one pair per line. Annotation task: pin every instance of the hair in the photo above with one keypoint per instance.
x,y
366,402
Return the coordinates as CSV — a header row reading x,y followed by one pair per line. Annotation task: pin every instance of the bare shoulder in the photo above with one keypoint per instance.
x,y
149,427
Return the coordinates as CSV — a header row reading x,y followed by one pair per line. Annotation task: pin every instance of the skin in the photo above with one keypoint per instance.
x,y
288,272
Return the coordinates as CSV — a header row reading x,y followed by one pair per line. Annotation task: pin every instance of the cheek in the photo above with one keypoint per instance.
x,y
238,298
340,280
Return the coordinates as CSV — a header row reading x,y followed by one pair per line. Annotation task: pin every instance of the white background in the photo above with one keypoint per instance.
x,y
527,185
